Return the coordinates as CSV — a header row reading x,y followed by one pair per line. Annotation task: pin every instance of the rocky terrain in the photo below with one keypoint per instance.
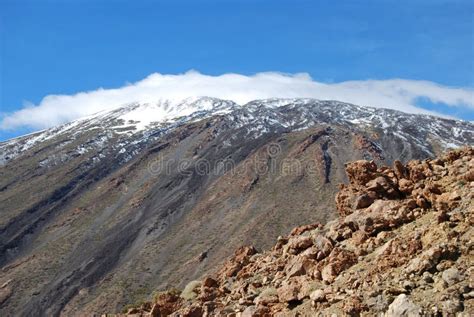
x,y
402,246
100,212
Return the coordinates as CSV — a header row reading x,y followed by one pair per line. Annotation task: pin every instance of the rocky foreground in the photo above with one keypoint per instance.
x,y
402,246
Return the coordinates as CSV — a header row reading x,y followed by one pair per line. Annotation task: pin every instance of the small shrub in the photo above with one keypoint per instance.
x,y
314,286
189,291
270,291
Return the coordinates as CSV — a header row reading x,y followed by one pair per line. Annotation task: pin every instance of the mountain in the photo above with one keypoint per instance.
x,y
405,252
100,212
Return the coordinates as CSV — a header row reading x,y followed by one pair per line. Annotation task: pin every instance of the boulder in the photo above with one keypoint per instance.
x,y
378,184
405,185
288,291
299,265
318,295
360,172
353,306
209,282
155,311
451,306
452,276
249,311
254,311
193,311
363,201
399,169
267,297
402,306
302,229
338,261
468,176
323,245
299,243
292,289
166,303
329,273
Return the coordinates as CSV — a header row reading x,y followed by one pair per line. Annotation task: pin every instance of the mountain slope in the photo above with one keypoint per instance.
x,y
407,252
101,211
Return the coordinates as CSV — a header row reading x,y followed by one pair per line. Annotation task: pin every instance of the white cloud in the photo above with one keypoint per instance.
x,y
397,94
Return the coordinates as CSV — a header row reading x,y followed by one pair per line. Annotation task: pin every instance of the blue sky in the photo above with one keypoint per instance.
x,y
65,47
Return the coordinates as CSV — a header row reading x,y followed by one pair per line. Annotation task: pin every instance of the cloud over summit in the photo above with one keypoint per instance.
x,y
399,94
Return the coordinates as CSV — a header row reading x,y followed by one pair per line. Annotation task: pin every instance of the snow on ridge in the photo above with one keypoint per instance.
x,y
139,116
144,118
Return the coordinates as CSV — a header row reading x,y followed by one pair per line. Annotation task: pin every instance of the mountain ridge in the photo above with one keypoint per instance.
x,y
135,118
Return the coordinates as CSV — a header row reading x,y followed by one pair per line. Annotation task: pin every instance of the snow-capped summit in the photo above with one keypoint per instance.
x,y
143,115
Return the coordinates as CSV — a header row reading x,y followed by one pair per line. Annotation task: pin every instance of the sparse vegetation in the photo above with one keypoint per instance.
x,y
270,291
189,291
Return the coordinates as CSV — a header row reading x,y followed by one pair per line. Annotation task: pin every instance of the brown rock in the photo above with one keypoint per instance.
x,y
338,261
167,303
243,253
422,203
468,176
454,196
299,265
209,282
353,306
155,311
359,237
234,265
267,297
416,171
299,243
442,216
360,172
378,184
281,241
363,201
301,229
329,273
193,311
318,295
253,311
288,292
399,169
323,245
292,289
405,185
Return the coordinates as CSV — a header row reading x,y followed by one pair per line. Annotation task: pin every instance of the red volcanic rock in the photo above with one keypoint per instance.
x,y
301,229
299,243
360,172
